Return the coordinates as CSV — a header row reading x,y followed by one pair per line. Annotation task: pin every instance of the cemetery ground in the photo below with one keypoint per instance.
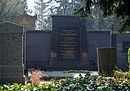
x,y
67,81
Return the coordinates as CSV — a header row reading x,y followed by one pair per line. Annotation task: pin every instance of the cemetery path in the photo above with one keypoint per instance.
x,y
63,74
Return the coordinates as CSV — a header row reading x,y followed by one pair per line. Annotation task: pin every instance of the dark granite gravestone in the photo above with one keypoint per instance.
x,y
97,39
11,53
37,49
69,45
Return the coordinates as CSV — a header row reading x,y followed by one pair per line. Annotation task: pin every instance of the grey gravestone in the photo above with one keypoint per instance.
x,y
11,53
69,47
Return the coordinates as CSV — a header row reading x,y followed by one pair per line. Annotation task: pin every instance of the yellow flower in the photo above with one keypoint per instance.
x,y
29,84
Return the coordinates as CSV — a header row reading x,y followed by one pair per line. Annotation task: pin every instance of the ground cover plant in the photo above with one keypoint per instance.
x,y
120,81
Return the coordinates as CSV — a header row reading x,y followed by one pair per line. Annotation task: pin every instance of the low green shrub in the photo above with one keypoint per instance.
x,y
95,83
119,82
28,87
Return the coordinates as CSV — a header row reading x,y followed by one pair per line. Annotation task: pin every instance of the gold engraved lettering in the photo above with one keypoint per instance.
x,y
68,44
68,48
68,30
69,34
69,38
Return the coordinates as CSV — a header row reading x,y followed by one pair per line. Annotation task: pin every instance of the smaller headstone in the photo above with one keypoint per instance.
x,y
11,53
106,60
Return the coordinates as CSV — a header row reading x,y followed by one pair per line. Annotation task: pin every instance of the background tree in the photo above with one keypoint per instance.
x,y
11,8
53,7
118,8
40,10
96,21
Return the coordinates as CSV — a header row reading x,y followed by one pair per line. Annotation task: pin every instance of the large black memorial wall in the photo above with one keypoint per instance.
x,y
69,45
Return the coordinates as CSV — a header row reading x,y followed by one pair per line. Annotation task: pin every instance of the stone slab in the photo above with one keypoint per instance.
x,y
11,49
11,53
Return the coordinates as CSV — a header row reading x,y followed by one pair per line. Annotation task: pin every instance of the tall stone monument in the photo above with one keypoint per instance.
x,y
11,53
25,20
69,47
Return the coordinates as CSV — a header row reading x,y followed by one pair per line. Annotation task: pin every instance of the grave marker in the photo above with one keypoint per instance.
x,y
122,45
69,47
11,53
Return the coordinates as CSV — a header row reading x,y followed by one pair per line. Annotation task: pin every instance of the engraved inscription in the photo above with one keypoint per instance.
x,y
69,45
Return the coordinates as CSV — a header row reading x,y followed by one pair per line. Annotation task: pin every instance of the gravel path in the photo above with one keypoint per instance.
x,y
65,74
